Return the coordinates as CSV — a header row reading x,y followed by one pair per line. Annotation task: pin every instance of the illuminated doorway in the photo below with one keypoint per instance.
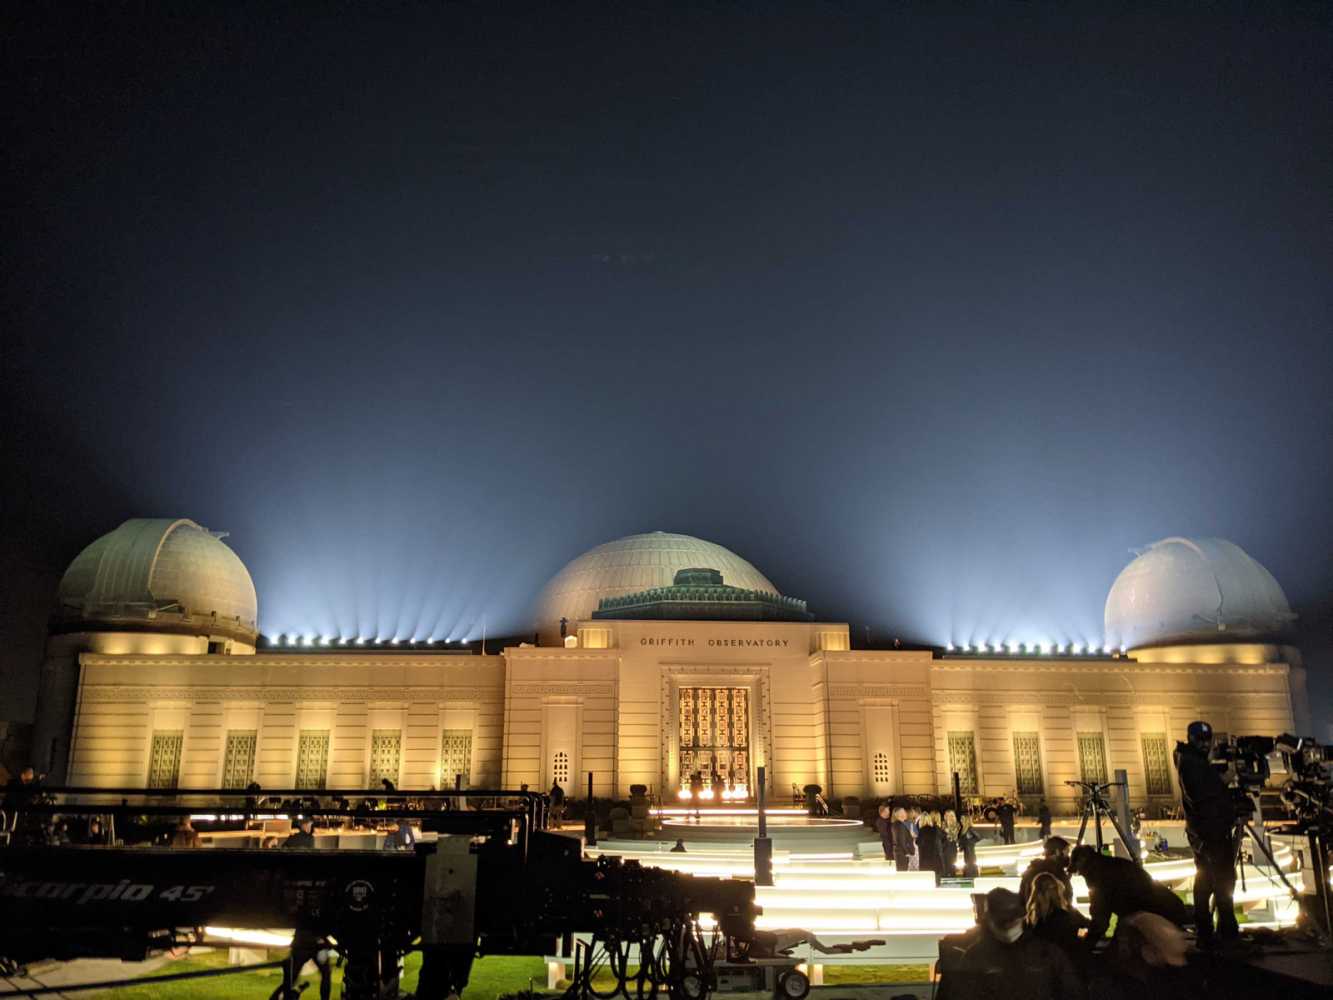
x,y
715,736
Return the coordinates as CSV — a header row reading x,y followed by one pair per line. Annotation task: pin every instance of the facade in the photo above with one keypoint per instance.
x,y
664,669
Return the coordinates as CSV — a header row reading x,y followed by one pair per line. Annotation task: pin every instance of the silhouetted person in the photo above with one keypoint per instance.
x,y
307,946
928,846
1054,861
185,835
904,844
967,843
303,836
1004,813
557,797
884,827
21,789
1210,825
21,792
679,848
94,835
997,961
1044,818
1119,887
401,838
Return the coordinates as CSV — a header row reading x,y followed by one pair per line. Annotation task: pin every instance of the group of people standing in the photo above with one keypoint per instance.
x,y
916,839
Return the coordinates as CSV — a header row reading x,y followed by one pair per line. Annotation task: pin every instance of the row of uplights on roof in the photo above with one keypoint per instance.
x,y
1036,648
294,640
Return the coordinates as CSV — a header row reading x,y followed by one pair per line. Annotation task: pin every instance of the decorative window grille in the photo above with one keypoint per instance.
x,y
386,748
456,757
1027,764
560,768
1156,770
312,758
879,768
238,760
963,759
1092,757
164,759
740,716
714,727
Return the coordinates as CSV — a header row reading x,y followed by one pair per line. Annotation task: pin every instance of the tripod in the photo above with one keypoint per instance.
x,y
1242,827
1095,806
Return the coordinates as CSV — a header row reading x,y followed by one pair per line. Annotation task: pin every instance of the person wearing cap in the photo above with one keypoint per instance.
x,y
1054,861
1210,825
998,960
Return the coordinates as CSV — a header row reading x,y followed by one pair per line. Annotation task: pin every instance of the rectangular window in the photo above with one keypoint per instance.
x,y
1092,757
312,758
963,760
164,759
456,757
1156,770
238,760
386,746
1027,764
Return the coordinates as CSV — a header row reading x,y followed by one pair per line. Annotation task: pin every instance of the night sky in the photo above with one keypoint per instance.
x,y
932,317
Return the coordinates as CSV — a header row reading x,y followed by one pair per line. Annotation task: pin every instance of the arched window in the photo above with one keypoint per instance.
x,y
879,767
560,768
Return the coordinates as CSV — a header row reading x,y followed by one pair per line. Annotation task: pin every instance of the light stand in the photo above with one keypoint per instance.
x,y
763,846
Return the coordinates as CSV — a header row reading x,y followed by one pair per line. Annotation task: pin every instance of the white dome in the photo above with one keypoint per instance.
x,y
172,573
631,564
1193,590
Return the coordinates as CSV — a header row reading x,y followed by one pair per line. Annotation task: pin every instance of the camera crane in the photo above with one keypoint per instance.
x,y
492,881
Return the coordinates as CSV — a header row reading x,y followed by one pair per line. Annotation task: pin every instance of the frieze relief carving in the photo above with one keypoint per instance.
x,y
567,687
879,691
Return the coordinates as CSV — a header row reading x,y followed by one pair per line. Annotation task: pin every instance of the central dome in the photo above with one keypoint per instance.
x,y
631,564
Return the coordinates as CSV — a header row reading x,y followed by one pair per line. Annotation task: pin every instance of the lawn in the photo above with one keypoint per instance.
x,y
490,977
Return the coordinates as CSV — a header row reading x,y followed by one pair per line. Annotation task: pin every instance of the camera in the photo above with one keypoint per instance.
x,y
1248,764
1306,793
1244,763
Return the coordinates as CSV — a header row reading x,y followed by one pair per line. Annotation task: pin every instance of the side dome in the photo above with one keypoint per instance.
x,y
160,574
1194,590
631,564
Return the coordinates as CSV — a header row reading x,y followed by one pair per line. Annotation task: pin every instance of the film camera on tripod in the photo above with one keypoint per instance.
x,y
1306,795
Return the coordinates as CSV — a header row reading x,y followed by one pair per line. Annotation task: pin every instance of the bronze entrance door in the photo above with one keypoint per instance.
x,y
715,736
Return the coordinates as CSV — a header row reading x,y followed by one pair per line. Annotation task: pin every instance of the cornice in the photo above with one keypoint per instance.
x,y
1113,667
120,693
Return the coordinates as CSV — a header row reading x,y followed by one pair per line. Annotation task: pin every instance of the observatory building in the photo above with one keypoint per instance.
x,y
655,656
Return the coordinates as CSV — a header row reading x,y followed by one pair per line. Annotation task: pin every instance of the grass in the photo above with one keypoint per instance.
x,y
834,975
490,977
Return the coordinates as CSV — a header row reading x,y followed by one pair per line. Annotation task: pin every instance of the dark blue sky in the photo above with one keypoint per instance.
x,y
930,316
